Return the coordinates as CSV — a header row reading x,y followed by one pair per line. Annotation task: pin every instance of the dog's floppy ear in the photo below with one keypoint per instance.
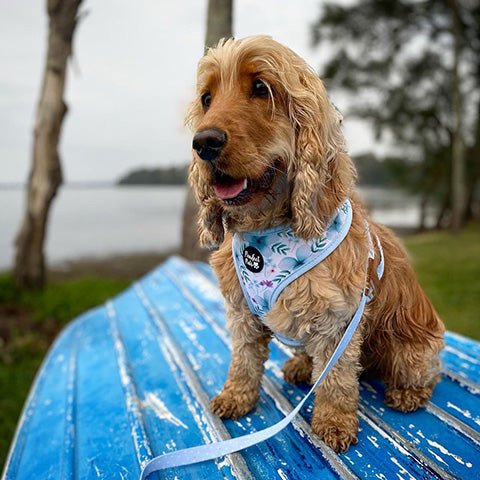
x,y
322,173
210,221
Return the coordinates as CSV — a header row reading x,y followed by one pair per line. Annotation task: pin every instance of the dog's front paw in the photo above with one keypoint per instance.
x,y
338,431
231,404
298,369
407,399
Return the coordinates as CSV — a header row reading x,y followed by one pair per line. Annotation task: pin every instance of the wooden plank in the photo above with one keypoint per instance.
x,y
103,433
169,409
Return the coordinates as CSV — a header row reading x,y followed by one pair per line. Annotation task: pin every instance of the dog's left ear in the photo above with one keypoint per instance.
x,y
322,173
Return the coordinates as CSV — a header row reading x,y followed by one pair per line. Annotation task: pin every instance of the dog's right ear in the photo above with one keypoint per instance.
x,y
210,214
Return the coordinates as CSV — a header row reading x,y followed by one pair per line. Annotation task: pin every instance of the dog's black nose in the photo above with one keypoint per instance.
x,y
209,143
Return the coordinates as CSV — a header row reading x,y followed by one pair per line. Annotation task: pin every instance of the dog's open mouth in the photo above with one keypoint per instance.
x,y
235,191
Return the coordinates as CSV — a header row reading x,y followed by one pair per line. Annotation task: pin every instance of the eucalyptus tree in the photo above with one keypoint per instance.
x,y
46,172
412,68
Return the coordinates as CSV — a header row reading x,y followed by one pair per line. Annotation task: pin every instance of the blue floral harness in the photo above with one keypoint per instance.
x,y
269,260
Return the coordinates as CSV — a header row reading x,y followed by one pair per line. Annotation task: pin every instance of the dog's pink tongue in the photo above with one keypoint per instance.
x,y
228,190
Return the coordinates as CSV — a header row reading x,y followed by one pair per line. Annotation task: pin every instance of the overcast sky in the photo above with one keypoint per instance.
x,y
130,81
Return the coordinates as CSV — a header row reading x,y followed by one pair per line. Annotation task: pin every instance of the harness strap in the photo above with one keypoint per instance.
x,y
290,342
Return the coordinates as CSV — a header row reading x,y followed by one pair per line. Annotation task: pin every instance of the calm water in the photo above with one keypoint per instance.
x,y
99,221
89,222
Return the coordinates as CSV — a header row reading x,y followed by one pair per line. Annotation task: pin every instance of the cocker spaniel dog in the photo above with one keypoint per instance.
x,y
269,157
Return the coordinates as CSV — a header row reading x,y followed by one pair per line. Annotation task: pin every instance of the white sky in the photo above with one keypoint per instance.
x,y
131,79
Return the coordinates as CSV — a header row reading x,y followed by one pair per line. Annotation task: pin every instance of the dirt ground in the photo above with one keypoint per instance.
x,y
122,267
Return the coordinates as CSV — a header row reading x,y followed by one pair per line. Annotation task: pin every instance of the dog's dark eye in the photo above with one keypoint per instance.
x,y
259,89
206,99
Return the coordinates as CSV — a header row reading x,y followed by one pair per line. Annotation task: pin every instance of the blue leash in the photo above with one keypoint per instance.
x,y
189,456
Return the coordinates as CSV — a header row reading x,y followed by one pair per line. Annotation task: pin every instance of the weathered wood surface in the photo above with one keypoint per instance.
x,y
132,379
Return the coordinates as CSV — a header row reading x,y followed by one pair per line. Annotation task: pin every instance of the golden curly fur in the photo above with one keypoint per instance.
x,y
284,136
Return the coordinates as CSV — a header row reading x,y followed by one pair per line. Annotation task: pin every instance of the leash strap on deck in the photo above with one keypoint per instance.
x,y
189,456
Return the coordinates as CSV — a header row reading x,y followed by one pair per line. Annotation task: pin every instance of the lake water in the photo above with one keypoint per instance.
x,y
95,222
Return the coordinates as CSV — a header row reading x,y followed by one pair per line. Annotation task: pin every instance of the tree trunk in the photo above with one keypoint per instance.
x,y
219,25
422,224
473,168
219,21
45,175
458,146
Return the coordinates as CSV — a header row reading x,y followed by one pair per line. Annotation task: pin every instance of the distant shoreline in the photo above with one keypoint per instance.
x,y
126,266
91,185
23,186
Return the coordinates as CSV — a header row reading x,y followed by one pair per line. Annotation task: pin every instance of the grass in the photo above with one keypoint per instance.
x,y
448,268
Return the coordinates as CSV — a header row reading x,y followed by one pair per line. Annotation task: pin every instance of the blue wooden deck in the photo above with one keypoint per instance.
x,y
132,379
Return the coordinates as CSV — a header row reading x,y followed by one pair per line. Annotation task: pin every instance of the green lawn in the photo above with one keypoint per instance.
x,y
448,268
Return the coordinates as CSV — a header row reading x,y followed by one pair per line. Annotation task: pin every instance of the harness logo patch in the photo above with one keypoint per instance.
x,y
253,259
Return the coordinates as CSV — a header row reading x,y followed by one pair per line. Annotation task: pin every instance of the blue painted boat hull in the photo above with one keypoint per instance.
x,y
132,379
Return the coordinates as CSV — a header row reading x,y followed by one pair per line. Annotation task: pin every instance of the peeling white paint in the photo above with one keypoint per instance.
x,y
191,335
223,463
239,424
282,474
462,355
420,434
171,445
160,409
439,459
373,440
465,413
193,362
446,452
204,286
402,471
368,387
276,370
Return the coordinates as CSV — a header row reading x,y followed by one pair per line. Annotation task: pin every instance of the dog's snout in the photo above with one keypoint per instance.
x,y
209,143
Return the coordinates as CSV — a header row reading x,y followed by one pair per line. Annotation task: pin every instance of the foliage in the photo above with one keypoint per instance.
x,y
156,176
395,59
373,171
